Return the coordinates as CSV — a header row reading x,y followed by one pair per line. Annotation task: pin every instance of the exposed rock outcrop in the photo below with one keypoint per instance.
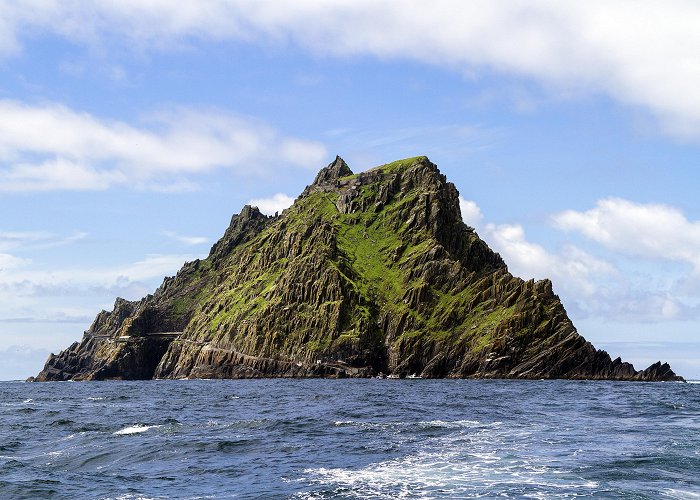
x,y
365,274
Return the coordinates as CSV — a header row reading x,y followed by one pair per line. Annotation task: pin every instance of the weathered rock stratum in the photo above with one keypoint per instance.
x,y
366,274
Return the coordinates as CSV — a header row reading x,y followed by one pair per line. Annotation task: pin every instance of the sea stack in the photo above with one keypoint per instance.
x,y
365,274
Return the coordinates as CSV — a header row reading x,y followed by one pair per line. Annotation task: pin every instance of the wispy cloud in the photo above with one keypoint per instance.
x,y
187,240
381,144
78,151
13,239
23,281
27,240
68,295
643,54
20,241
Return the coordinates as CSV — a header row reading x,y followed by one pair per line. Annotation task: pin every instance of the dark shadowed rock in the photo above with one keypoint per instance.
x,y
366,273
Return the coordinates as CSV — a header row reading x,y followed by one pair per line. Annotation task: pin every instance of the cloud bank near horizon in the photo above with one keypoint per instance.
x,y
615,278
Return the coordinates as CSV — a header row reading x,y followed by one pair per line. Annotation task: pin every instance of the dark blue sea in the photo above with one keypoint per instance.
x,y
311,439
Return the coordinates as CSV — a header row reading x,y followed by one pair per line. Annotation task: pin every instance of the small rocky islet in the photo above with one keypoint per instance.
x,y
366,274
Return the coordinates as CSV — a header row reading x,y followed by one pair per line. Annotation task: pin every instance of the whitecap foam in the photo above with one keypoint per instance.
x,y
456,424
422,475
130,496
135,429
28,400
677,493
368,425
443,424
454,471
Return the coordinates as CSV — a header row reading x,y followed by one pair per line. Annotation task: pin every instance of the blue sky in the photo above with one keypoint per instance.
x,y
131,131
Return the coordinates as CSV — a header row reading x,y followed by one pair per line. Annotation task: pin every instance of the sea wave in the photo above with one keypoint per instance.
x,y
348,439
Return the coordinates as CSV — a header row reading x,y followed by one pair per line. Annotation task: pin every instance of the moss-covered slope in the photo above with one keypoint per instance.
x,y
365,274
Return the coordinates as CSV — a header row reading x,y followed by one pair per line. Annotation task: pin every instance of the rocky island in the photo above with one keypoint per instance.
x,y
366,274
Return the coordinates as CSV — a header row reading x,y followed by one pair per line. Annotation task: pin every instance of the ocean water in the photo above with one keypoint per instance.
x,y
316,439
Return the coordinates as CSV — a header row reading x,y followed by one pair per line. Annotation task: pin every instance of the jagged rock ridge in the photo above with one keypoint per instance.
x,y
365,274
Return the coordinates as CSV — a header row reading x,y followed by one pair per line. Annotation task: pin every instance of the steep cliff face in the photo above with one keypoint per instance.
x,y
365,274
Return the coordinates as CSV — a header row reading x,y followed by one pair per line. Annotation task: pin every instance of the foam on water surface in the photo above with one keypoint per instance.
x,y
135,429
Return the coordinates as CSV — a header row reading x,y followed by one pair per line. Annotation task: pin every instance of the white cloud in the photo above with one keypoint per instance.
x,y
592,286
275,203
572,269
589,285
56,175
78,151
652,231
187,240
471,213
36,239
642,53
8,261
